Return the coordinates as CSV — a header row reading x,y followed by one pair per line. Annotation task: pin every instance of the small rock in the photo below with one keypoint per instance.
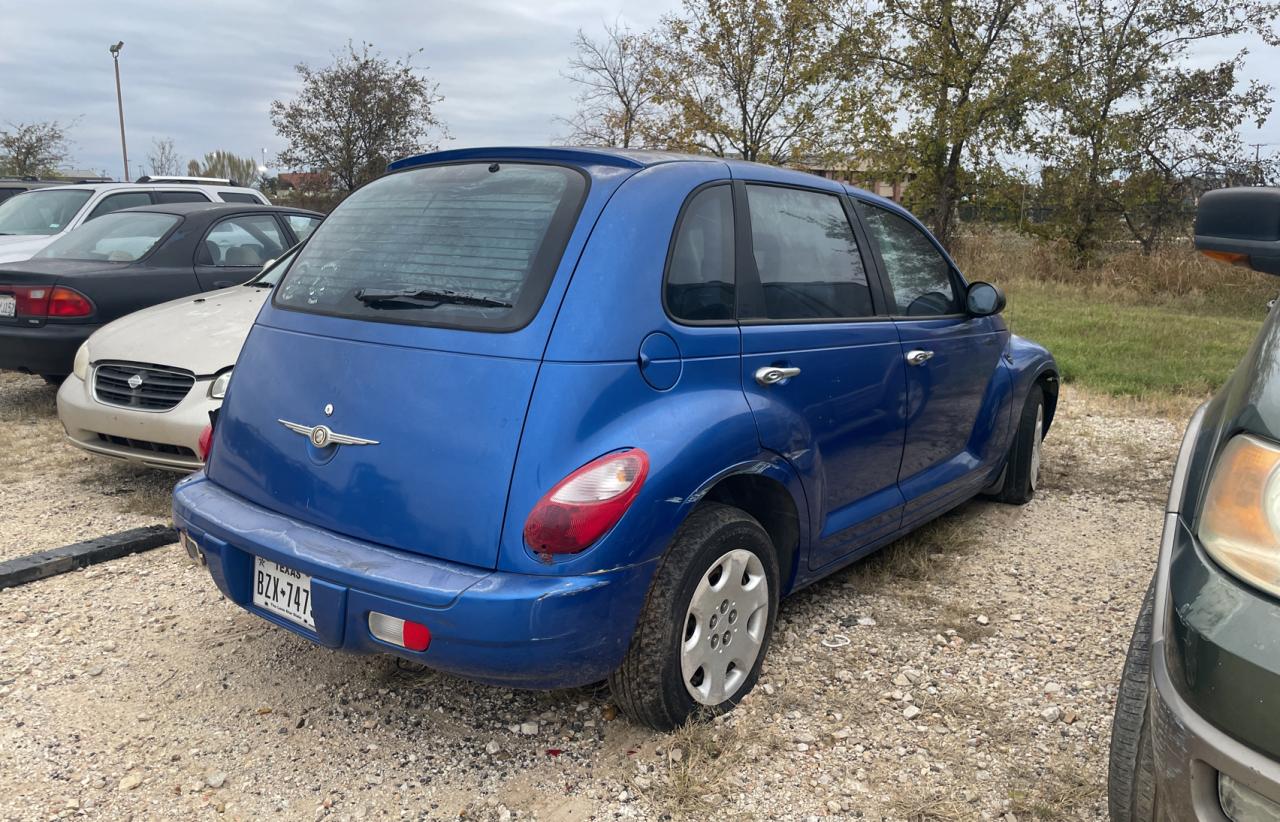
x,y
1069,716
130,781
983,620
676,755
215,779
1051,714
95,670
911,712
529,728
492,748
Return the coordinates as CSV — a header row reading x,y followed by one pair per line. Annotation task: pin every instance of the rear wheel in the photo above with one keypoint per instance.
x,y
1131,771
705,628
1022,467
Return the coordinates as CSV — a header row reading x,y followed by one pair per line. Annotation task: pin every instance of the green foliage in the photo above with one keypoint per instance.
x,y
358,114
35,149
244,170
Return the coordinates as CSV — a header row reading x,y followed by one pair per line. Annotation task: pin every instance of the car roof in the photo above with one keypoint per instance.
x,y
622,157
148,186
217,209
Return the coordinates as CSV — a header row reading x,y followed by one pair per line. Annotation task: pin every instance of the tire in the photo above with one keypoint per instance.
x,y
1131,789
651,685
1018,482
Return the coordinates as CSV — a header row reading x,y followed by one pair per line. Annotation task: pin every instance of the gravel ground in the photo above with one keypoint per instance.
x,y
92,495
967,672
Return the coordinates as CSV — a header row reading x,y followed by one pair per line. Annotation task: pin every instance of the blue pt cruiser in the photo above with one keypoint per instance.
x,y
542,416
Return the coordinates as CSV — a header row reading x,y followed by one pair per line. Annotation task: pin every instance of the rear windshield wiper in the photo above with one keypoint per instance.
x,y
425,298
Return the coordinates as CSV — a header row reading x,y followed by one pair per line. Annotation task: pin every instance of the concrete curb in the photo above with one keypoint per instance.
x,y
70,557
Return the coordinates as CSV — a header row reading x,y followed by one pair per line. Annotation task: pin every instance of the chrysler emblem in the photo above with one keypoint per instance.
x,y
322,436
135,382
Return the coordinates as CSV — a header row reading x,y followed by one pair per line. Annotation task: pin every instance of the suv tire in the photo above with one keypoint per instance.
x,y
651,685
1131,770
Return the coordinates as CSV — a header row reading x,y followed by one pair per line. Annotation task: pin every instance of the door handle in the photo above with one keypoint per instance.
x,y
918,357
773,374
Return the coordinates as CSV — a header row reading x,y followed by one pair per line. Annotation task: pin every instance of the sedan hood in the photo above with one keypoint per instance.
x,y
202,334
17,247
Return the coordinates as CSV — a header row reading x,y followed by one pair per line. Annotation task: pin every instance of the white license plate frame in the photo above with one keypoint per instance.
x,y
283,591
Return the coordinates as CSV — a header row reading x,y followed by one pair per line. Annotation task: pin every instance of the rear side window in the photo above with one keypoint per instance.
x,y
302,225
918,273
242,241
115,202
238,197
469,245
700,276
167,197
808,259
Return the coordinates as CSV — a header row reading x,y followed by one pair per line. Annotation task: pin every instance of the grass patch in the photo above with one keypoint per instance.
x,y
1133,325
1057,792
917,556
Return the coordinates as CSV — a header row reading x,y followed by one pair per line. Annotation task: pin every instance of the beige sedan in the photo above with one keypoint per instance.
x,y
142,387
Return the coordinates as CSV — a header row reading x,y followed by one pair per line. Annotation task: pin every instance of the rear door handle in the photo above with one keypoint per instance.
x,y
773,374
918,357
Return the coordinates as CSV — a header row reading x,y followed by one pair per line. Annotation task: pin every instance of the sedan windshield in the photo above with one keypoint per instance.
x,y
41,212
115,238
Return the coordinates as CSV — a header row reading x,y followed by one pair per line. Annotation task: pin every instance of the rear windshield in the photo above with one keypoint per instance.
x,y
113,238
41,212
471,245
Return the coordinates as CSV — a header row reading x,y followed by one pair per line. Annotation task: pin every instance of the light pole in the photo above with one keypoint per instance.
x,y
115,58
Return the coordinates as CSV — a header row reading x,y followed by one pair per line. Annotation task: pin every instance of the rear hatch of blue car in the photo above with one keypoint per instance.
x,y
382,391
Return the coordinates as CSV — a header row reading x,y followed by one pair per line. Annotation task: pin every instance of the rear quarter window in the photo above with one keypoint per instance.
x,y
468,245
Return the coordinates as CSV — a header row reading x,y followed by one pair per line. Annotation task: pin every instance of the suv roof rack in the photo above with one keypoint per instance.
x,y
207,181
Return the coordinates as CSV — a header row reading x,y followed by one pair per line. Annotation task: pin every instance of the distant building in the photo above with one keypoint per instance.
x,y
861,178
305,181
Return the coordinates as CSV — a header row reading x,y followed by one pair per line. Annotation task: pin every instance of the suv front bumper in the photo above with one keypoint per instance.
x,y
518,630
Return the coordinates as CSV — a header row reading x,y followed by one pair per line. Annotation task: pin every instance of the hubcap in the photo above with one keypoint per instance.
x,y
1037,437
724,627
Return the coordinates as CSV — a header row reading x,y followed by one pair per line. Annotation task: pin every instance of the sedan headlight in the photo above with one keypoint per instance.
x,y
219,388
1240,523
80,365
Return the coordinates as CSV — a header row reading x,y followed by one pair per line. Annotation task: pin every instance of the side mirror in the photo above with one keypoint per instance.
x,y
1241,226
983,300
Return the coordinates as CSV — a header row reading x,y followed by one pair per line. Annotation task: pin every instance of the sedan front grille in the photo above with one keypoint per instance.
x,y
141,386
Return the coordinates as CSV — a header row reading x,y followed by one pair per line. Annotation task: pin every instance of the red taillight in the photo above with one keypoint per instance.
x,y
48,301
586,504
66,302
403,632
205,443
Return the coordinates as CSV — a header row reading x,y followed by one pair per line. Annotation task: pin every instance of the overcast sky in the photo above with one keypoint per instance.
x,y
205,73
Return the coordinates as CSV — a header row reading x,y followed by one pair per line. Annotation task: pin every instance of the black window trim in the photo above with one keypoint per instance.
x,y
284,237
958,281
747,266
671,253
565,219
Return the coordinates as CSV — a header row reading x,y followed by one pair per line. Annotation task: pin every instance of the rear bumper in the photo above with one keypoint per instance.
x,y
1190,751
44,349
159,439
519,630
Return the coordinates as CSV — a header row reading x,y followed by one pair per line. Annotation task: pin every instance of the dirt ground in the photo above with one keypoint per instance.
x,y
968,672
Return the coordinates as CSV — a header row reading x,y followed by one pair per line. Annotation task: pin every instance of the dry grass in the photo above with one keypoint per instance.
x,y
687,789
1056,792
917,557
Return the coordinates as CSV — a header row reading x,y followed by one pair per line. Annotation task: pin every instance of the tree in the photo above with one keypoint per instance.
x,y
33,149
355,116
953,79
745,78
163,158
618,81
1125,106
244,170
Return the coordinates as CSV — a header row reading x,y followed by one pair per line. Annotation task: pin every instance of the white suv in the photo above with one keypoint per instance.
x,y
32,220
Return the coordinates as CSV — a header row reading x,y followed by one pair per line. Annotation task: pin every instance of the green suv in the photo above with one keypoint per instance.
x,y
1196,734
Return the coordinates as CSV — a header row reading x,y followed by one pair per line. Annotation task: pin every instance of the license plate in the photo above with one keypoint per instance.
x,y
8,306
282,591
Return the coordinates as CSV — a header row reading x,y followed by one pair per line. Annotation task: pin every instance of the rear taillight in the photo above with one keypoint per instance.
x,y
67,302
586,504
205,443
41,301
403,632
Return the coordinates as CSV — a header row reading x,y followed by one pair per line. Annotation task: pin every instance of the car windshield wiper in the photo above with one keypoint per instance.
x,y
425,298
260,284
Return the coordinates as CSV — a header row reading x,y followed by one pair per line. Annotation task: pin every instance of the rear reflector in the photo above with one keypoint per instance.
x,y
205,443
411,635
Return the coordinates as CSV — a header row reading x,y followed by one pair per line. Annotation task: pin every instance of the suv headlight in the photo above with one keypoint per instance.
x,y
219,388
1240,522
80,365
